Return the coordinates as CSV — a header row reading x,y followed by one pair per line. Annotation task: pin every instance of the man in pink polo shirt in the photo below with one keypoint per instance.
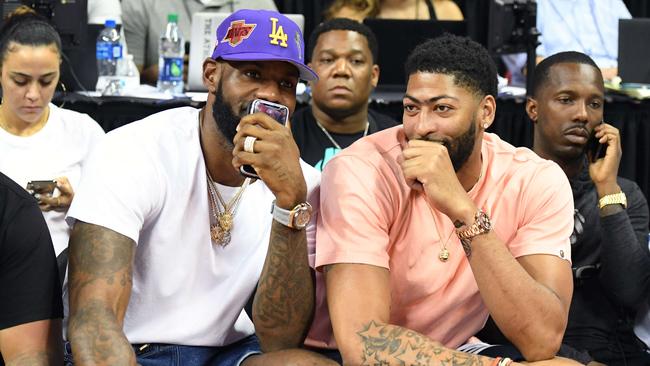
x,y
427,228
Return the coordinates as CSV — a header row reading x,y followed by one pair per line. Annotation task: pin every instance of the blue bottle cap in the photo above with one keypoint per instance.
x,y
110,23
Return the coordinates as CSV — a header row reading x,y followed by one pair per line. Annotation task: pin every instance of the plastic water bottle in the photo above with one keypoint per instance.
x,y
109,50
170,61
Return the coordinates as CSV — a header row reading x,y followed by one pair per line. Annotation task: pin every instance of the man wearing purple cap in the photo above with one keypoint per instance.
x,y
170,241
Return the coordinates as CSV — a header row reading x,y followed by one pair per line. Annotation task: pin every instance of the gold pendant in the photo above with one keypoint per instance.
x,y
224,220
220,233
219,236
443,255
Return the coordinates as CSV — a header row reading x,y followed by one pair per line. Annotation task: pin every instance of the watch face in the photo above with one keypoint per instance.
x,y
302,218
484,221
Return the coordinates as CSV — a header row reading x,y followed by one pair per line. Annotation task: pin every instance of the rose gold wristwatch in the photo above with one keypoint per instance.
x,y
481,225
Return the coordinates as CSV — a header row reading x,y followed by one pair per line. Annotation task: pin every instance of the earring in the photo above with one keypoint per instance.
x,y
486,125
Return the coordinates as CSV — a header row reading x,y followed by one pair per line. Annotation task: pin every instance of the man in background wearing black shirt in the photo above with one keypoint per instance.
x,y
344,55
609,249
30,291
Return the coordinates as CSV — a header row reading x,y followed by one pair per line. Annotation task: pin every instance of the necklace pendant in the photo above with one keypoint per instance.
x,y
443,255
219,236
215,233
225,221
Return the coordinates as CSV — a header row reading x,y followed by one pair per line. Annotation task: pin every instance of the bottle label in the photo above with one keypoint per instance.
x,y
108,51
172,69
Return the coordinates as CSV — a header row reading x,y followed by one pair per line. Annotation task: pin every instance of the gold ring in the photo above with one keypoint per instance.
x,y
249,144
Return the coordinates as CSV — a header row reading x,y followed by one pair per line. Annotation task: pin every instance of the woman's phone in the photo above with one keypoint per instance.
x,y
278,112
595,150
42,187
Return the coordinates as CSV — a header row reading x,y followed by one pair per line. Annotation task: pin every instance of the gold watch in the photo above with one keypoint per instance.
x,y
481,225
613,199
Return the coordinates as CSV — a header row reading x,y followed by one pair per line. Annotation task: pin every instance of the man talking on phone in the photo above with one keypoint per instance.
x,y
166,224
609,244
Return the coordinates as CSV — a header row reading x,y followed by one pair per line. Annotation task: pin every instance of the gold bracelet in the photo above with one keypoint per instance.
x,y
613,199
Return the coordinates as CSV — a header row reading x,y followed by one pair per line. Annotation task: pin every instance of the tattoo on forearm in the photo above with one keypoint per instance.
x,y
100,283
285,295
458,224
393,345
98,339
37,358
281,171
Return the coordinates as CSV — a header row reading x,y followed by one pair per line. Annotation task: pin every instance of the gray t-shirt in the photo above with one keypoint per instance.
x,y
145,20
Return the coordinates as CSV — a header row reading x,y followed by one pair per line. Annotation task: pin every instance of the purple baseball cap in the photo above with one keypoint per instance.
x,y
262,35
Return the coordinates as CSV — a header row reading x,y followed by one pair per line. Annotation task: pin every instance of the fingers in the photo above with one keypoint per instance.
x,y
606,133
60,202
418,147
64,186
48,203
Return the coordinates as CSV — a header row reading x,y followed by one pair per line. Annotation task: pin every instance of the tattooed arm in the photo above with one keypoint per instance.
x,y
358,298
100,279
35,343
284,302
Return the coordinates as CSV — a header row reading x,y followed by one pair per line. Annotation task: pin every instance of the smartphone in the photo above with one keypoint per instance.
x,y
278,112
595,150
45,187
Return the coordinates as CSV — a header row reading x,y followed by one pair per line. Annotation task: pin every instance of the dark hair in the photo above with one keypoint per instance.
x,y
467,61
25,27
345,25
543,69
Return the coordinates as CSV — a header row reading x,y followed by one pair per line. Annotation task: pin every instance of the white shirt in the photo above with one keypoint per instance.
x,y
99,11
587,26
147,181
60,148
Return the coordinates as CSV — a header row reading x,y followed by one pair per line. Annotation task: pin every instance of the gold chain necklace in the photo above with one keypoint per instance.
x,y
223,219
443,254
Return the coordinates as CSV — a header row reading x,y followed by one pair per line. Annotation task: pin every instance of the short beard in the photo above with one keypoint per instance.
x,y
225,118
459,148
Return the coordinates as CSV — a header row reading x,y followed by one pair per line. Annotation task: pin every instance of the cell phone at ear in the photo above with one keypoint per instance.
x,y
595,150
45,187
278,112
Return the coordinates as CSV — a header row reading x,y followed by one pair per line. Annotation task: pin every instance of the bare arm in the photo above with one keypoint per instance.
x,y
35,343
284,302
100,283
534,323
359,304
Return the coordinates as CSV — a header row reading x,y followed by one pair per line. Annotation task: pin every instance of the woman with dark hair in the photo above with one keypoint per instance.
x,y
39,141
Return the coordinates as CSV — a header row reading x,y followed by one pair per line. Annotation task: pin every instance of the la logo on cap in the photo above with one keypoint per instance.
x,y
238,31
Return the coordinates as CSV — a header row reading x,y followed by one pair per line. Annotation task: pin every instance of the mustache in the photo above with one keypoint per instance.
x,y
578,127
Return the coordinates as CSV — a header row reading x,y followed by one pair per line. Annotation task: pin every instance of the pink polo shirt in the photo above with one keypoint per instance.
x,y
369,215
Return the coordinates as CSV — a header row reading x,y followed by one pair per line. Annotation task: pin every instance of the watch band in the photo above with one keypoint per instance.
x,y
481,225
613,199
280,214
296,218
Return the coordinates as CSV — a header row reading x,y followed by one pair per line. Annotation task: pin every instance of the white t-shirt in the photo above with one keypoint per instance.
x,y
147,181
60,148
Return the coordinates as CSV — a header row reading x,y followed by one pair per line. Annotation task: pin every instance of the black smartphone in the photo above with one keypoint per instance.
x,y
45,187
278,112
595,150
